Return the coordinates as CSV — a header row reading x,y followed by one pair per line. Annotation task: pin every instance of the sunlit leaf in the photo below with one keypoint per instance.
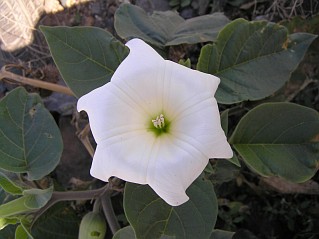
x,y
31,199
22,233
7,221
253,59
151,217
29,137
9,186
276,139
85,56
14,207
166,28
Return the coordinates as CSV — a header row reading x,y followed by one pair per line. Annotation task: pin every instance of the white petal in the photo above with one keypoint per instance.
x,y
142,58
112,112
174,165
185,87
140,77
200,126
167,164
124,156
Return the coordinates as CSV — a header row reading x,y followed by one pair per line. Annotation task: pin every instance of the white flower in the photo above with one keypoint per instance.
x,y
155,123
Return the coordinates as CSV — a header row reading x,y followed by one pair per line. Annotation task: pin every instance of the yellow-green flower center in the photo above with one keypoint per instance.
x,y
159,122
159,125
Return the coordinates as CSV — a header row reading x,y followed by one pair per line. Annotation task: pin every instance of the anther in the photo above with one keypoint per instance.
x,y
159,122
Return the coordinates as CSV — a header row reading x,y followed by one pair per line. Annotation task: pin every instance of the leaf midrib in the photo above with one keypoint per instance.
x,y
80,52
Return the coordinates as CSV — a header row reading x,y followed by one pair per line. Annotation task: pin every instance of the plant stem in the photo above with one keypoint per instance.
x,y
33,82
109,212
70,196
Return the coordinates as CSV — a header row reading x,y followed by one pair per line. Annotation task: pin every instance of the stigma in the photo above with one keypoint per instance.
x,y
159,122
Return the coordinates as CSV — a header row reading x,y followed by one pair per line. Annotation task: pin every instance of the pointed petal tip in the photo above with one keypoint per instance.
x,y
178,202
172,198
84,101
136,42
96,173
226,152
80,104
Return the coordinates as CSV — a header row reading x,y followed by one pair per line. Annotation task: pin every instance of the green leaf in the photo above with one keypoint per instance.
x,y
31,200
85,56
37,198
125,233
224,124
224,121
186,63
7,221
59,221
220,234
253,59
151,217
166,28
9,186
30,139
8,232
14,207
276,139
22,233
234,160
223,171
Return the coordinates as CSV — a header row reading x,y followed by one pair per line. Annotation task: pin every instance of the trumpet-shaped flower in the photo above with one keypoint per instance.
x,y
156,122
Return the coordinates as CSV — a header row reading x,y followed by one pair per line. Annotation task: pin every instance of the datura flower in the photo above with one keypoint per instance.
x,y
156,122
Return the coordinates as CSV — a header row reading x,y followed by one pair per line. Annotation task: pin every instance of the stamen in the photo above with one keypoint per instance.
x,y
159,122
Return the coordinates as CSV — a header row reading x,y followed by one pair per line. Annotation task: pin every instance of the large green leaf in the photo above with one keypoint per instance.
x,y
151,217
29,137
59,221
166,28
253,59
276,139
85,56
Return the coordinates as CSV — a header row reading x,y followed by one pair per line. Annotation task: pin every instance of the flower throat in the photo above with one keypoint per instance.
x,y
159,125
